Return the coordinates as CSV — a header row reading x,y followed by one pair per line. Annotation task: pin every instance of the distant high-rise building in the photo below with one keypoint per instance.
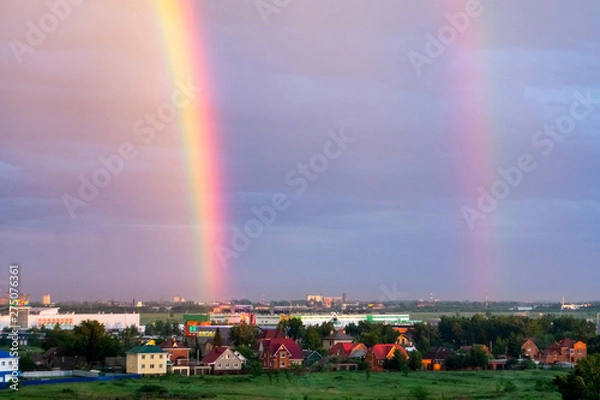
x,y
46,299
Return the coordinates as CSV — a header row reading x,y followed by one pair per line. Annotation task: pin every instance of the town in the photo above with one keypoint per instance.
x,y
317,335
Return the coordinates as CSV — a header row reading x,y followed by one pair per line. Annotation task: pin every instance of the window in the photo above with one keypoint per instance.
x,y
235,365
159,365
152,356
227,356
282,355
160,356
143,366
226,366
3,363
151,366
579,352
143,356
219,366
283,363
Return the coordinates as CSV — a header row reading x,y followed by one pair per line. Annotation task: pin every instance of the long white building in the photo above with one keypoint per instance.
x,y
38,317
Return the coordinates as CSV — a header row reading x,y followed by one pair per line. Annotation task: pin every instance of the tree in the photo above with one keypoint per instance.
x,y
94,342
478,356
218,339
292,327
130,336
243,335
369,339
312,339
583,383
397,363
414,360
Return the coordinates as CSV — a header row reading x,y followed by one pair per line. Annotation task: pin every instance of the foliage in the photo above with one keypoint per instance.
x,y
26,364
246,351
419,393
292,327
163,329
243,335
583,383
397,363
414,360
89,339
312,338
218,339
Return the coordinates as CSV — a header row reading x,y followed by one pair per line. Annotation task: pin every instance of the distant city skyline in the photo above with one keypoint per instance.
x,y
383,149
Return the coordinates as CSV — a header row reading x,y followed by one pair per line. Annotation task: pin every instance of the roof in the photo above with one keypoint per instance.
x,y
338,335
173,344
310,353
4,354
437,353
272,334
345,347
145,349
214,355
566,342
291,346
381,351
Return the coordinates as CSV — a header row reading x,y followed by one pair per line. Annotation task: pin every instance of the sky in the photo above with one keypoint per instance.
x,y
410,148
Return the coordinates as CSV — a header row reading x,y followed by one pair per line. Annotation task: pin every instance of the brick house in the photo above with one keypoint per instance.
x,y
565,350
377,354
178,356
279,353
531,350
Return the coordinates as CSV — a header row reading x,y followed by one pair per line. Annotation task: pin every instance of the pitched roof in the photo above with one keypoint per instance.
x,y
272,334
566,342
291,346
437,353
145,349
173,344
214,355
381,351
338,335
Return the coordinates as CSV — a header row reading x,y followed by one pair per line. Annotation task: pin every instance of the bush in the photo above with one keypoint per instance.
x,y
419,393
154,390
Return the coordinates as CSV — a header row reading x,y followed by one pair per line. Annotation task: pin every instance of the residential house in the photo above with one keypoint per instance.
x,y
405,338
279,353
222,359
336,337
377,354
146,360
531,350
310,357
54,358
344,351
8,365
564,351
178,356
435,359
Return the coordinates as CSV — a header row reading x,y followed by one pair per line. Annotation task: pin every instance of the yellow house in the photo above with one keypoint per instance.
x,y
146,360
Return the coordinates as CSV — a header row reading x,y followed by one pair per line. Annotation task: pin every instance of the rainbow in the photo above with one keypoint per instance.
x,y
187,60
474,128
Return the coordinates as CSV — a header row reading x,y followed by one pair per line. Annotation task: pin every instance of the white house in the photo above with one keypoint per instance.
x,y
8,365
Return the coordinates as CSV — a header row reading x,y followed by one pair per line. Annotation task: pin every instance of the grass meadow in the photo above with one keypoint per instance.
x,y
534,384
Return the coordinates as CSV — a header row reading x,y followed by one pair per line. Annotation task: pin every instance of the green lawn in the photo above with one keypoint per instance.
x,y
333,385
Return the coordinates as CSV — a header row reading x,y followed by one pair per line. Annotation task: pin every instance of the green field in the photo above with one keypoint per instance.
x,y
328,385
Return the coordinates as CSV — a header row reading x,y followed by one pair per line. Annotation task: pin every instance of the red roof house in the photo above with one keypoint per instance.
x,y
279,353
381,352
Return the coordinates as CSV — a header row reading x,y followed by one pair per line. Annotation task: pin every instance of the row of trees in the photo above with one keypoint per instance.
x,y
506,333
89,339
